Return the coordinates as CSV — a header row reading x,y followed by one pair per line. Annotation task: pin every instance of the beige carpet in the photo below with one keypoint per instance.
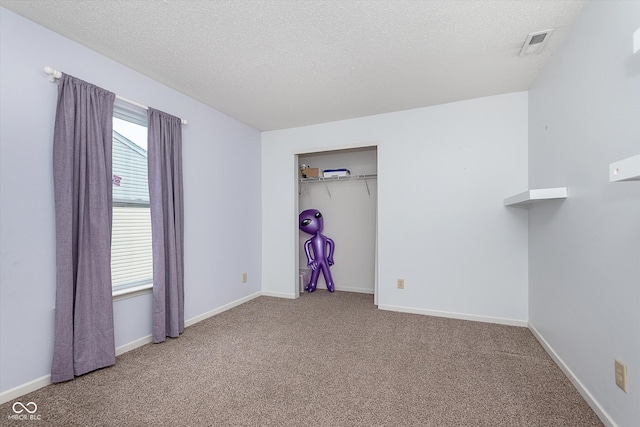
x,y
323,360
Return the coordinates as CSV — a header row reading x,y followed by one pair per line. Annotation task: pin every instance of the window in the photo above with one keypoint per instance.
x,y
131,256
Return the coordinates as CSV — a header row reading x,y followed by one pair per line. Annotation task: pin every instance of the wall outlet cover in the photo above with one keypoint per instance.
x,y
621,375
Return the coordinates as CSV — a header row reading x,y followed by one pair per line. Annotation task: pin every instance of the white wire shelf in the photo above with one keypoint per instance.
x,y
340,178
324,180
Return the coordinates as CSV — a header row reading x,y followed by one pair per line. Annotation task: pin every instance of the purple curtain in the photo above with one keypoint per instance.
x,y
84,338
167,223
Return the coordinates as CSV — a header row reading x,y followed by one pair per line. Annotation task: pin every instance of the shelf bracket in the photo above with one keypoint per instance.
x,y
367,184
325,186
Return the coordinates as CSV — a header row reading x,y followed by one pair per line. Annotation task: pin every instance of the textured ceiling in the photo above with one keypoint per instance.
x,y
281,64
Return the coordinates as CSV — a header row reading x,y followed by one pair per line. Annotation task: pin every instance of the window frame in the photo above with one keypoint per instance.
x,y
137,115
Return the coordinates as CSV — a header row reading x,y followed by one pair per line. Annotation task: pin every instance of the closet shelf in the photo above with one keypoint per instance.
x,y
324,180
340,178
536,195
625,170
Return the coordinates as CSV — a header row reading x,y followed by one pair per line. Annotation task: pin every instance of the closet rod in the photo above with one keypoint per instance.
x,y
55,74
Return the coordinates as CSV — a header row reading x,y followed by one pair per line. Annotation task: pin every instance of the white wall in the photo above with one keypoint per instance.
x,y
443,173
222,200
350,213
584,113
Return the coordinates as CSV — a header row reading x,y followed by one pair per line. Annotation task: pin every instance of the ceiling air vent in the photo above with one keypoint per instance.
x,y
535,42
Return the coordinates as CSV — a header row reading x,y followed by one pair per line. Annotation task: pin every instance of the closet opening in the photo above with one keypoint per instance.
x,y
343,185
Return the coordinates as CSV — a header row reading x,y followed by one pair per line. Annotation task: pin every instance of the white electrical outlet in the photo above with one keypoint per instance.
x,y
621,375
400,283
244,278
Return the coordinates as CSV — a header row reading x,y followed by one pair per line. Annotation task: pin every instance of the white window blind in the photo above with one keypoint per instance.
x,y
131,256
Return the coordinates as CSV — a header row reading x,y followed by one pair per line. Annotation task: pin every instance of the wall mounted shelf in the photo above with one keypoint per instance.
x,y
625,170
364,177
536,195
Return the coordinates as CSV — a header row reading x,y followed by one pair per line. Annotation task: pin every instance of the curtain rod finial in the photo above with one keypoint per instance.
x,y
54,74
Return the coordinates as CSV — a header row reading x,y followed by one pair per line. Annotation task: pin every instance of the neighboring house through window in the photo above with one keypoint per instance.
x,y
131,256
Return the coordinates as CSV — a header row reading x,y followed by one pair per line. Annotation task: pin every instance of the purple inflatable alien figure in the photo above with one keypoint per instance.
x,y
311,222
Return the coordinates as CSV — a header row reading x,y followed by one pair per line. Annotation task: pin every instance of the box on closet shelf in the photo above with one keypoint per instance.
x,y
329,173
311,173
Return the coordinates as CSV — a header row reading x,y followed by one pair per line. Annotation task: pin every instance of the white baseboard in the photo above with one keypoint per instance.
x,y
278,295
587,396
23,389
349,289
460,316
38,383
221,309
356,290
149,338
134,344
